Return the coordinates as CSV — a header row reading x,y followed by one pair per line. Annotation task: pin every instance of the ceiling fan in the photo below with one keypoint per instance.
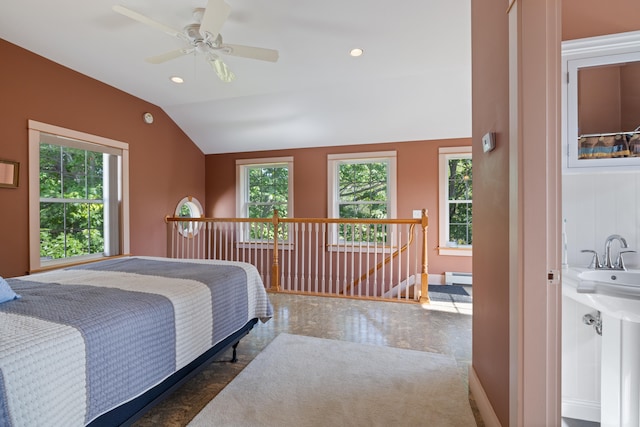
x,y
203,36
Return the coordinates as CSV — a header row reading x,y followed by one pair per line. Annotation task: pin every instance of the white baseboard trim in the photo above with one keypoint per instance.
x,y
436,279
581,409
484,406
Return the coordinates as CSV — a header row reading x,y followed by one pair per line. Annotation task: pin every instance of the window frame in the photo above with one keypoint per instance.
x,y
88,141
242,191
333,187
444,155
192,228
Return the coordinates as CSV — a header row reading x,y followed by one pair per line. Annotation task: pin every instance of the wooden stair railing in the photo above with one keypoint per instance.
x,y
184,240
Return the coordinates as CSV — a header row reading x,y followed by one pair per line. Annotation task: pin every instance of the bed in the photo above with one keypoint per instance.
x,y
99,344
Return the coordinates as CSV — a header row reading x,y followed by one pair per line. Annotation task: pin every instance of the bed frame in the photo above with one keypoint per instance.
x,y
127,413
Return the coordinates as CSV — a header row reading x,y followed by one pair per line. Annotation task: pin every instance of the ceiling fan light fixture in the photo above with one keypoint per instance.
x,y
356,52
176,79
221,70
203,37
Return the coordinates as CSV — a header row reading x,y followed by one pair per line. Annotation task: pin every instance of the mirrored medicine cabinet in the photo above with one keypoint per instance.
x,y
601,103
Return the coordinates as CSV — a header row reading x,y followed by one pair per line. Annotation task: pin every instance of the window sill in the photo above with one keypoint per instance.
x,y
442,250
62,263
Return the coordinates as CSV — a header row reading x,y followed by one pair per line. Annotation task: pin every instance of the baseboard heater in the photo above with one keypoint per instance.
x,y
457,278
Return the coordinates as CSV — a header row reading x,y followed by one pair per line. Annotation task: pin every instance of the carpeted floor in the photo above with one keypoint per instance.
x,y
307,382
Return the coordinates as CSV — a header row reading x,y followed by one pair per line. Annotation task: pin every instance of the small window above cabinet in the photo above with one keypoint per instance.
x,y
601,103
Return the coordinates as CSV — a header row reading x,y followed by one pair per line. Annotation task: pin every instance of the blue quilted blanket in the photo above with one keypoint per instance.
x,y
86,339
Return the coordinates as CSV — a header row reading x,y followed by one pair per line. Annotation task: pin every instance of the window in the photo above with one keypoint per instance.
x,y
78,196
362,185
264,185
456,191
189,207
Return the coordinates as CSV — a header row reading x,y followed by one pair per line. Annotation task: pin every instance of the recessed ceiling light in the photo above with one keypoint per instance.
x,y
356,52
177,79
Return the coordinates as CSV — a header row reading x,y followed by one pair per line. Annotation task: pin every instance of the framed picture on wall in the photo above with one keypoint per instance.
x,y
9,172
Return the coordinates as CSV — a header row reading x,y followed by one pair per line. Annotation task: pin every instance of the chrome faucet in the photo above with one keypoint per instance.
x,y
607,263
607,252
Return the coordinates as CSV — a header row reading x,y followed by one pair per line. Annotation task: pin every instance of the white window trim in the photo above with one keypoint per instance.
x,y
332,193
242,194
192,228
35,129
444,154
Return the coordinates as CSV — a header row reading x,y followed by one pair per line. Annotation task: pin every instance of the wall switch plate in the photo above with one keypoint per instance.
x,y
417,214
488,142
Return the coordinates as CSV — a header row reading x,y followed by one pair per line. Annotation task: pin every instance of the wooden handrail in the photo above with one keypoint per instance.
x,y
169,218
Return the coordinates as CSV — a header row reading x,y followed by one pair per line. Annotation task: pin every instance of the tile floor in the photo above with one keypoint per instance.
x,y
441,327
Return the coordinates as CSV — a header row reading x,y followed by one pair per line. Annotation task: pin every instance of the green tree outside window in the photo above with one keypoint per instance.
x,y
363,193
71,202
268,190
460,190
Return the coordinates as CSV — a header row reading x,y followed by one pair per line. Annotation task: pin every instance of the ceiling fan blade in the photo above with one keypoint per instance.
x,y
216,12
147,21
251,52
221,70
159,59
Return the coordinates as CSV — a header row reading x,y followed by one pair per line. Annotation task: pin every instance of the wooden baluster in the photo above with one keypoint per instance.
x,y
303,233
330,255
216,243
398,233
318,250
207,247
382,257
324,253
259,244
424,274
366,277
309,239
408,261
388,243
275,264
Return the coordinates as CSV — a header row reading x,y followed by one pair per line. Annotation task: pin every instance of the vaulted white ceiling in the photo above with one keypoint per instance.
x,y
413,81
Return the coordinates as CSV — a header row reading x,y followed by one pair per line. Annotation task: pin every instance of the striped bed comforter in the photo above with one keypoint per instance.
x,y
83,340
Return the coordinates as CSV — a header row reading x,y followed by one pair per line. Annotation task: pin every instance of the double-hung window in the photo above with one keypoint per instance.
x,y
264,186
78,196
362,186
456,194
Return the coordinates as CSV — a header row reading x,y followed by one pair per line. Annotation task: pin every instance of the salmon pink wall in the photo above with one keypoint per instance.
x,y
589,18
417,185
490,103
165,165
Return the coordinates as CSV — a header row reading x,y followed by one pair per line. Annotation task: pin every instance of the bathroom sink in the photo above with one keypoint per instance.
x,y
613,282
616,293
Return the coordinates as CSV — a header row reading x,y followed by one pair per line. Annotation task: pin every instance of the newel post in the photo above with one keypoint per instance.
x,y
275,269
424,275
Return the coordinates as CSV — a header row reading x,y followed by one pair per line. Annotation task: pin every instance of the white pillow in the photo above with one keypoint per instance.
x,y
6,293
